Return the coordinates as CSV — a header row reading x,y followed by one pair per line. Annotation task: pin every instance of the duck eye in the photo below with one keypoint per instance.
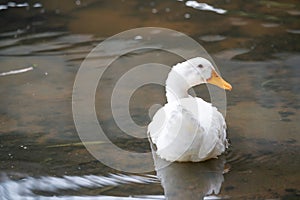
x,y
200,66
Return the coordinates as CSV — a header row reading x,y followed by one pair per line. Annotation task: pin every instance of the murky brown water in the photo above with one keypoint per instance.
x,y
255,44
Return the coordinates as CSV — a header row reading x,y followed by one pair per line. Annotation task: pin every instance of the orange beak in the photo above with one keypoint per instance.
x,y
215,79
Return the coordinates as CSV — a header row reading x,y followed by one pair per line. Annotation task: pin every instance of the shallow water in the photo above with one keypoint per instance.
x,y
42,45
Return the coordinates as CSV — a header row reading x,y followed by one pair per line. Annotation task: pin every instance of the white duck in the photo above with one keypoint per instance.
x,y
188,128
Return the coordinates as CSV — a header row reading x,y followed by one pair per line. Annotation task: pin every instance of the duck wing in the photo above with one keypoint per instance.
x,y
187,130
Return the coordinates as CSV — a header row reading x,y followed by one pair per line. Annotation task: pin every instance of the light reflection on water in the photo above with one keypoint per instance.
x,y
30,187
179,180
255,44
191,180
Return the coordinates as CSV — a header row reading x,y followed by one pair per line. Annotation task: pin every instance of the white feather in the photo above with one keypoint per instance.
x,y
187,129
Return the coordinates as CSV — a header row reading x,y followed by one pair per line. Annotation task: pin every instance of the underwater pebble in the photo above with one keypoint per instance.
x,y
212,38
269,25
187,16
37,5
11,4
238,22
293,12
154,11
293,31
138,37
78,2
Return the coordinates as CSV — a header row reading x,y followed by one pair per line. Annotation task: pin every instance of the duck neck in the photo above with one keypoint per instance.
x,y
176,86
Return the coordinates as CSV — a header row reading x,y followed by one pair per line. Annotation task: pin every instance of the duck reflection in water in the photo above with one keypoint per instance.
x,y
187,180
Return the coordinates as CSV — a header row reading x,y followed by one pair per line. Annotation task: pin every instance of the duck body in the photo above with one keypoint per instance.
x,y
188,129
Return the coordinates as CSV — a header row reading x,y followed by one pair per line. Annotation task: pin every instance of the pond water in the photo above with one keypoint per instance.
x,y
256,45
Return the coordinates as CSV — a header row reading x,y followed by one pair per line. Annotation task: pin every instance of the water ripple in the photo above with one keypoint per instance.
x,y
17,71
29,186
18,5
204,6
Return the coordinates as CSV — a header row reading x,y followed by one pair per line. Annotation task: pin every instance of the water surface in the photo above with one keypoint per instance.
x,y
42,44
